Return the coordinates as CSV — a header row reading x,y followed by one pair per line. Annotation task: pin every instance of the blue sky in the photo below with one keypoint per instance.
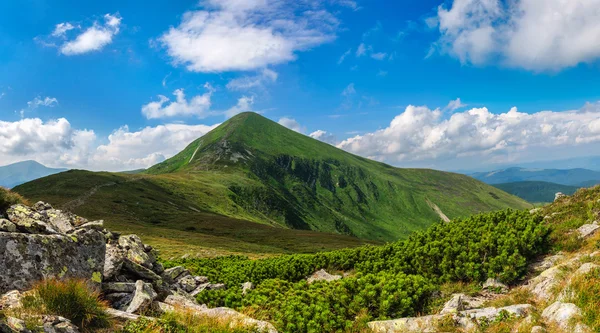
x,y
118,85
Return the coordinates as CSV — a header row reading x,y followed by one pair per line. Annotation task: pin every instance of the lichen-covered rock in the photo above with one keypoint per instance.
x,y
57,324
143,297
172,274
201,279
60,221
10,300
7,226
466,320
495,286
216,286
118,287
588,230
29,258
113,261
17,325
563,314
136,251
234,318
542,285
187,283
454,305
98,225
322,275
140,271
246,287
547,262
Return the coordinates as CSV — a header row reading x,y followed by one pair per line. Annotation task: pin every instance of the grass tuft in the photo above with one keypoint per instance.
x,y
72,299
8,198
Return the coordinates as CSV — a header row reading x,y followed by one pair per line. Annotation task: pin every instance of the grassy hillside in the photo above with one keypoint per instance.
x,y
291,180
536,191
244,185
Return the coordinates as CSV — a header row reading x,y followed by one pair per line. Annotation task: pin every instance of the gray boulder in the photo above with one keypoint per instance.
x,y
136,251
495,286
187,283
246,287
7,226
113,261
588,230
142,297
562,314
322,275
29,258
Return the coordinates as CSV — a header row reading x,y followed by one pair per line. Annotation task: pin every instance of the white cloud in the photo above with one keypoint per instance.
x,y
324,136
422,134
382,73
93,38
244,104
344,56
455,105
361,50
292,124
537,35
46,101
198,106
379,56
53,142
61,29
256,81
231,35
146,147
349,90
56,143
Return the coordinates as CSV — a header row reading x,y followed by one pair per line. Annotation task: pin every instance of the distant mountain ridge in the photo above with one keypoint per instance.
x,y
570,177
19,173
536,192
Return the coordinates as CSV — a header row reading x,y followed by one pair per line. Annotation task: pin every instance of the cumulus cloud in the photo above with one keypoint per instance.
x,y
198,106
537,35
423,134
53,142
292,124
91,39
141,149
324,136
56,143
244,104
231,35
257,81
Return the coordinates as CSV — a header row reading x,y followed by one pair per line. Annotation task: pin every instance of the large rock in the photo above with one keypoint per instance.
x,y
7,226
188,283
542,285
29,221
136,251
588,230
454,305
60,221
113,261
172,274
322,275
234,318
562,314
143,297
495,286
465,320
29,258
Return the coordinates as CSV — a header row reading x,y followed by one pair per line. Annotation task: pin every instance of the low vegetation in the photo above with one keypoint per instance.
x,y
389,281
72,299
182,322
8,198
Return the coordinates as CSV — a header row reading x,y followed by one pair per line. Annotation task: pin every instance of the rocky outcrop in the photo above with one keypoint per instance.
x,y
563,314
47,243
233,317
468,320
588,230
322,275
495,286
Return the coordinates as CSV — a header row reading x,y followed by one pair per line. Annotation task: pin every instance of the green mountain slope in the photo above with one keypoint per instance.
x,y
251,169
536,191
298,182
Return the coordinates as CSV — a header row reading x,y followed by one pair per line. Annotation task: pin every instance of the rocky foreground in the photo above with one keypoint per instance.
x,y
41,242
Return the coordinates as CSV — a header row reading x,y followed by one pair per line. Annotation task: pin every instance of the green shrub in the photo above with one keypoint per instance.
x,y
391,281
8,198
72,299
